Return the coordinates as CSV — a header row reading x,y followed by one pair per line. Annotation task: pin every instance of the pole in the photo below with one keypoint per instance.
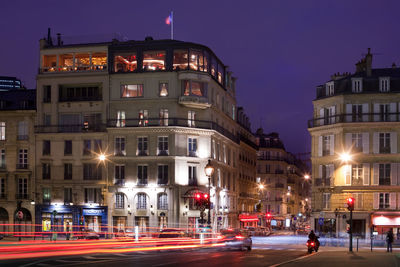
x,y
209,202
172,25
351,231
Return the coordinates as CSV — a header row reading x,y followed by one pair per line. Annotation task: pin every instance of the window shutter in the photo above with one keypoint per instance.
x,y
392,109
393,174
376,201
333,118
365,143
320,146
376,112
375,180
392,201
347,174
376,143
332,145
366,170
347,139
331,171
393,142
365,112
320,171
321,116
348,112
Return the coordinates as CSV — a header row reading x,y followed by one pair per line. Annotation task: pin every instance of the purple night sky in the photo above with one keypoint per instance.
x,y
279,50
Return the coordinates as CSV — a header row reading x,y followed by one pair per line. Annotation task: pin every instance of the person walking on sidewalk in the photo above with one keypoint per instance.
x,y
389,239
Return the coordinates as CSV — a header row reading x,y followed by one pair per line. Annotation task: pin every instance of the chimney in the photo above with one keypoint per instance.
x,y
49,39
59,43
394,65
368,62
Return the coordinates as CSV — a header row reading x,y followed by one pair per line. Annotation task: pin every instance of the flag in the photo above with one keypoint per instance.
x,y
168,20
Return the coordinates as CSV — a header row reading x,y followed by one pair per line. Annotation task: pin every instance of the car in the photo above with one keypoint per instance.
x,y
1,236
235,238
171,233
90,234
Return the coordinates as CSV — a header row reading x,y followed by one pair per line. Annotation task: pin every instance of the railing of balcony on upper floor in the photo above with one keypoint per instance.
x,y
174,122
73,128
322,182
353,118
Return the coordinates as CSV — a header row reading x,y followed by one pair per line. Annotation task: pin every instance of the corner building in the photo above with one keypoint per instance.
x,y
357,114
158,110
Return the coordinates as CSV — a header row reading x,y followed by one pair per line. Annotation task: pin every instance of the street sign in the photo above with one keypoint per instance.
x,y
321,221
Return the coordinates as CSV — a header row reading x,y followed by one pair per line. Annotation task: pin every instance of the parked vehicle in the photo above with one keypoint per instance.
x,y
235,238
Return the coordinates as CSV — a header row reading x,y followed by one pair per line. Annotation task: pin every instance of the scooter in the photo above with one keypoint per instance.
x,y
312,245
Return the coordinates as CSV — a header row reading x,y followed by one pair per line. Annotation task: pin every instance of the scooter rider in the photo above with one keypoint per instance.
x,y
312,236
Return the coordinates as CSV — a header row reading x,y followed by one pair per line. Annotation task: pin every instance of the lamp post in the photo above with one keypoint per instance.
x,y
209,170
102,158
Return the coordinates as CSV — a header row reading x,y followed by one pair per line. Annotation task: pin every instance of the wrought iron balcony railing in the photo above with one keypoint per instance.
x,y
354,118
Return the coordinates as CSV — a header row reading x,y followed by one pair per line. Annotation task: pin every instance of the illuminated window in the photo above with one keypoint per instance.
x,y
192,146
2,130
125,62
180,60
46,195
82,61
66,62
163,117
221,73
191,118
142,146
99,61
143,117
131,90
326,201
163,89
384,200
193,88
2,158
213,67
50,63
120,118
154,60
196,60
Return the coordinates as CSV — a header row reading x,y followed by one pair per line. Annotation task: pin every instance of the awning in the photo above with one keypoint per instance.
x,y
386,219
244,217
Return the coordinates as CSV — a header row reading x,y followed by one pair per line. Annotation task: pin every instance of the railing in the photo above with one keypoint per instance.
x,y
279,172
22,166
322,182
81,98
120,182
198,100
21,196
75,128
351,118
73,69
248,195
180,122
162,182
162,153
22,137
142,182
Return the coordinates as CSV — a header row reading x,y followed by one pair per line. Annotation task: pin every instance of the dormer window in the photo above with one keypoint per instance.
x,y
330,88
356,85
384,84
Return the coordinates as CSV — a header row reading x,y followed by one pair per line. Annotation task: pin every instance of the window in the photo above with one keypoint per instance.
x,y
47,120
2,187
142,174
22,130
163,117
384,110
91,171
163,89
153,60
46,147
192,175
2,158
47,93
162,201
67,147
125,62
67,195
142,146
326,145
92,195
119,149
163,145
131,90
87,147
358,201
384,174
162,175
80,93
357,171
91,121
46,171
194,88
330,88
384,143
384,200
23,159
22,188
67,171
384,84
356,85
119,200
141,201
191,118
97,146
120,118
326,201
46,195
356,113
119,174
180,59
143,117
2,130
356,140
192,146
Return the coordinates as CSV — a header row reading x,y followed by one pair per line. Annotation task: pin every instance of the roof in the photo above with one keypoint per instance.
x,y
270,140
22,99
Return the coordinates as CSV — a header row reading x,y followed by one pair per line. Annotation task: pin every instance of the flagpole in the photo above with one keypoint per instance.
x,y
172,25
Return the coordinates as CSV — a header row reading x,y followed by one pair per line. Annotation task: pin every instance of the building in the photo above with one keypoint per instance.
x,y
357,114
17,146
156,111
9,83
286,192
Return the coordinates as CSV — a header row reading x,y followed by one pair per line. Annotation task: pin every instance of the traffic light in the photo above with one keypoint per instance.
x,y
268,215
202,199
350,203
81,221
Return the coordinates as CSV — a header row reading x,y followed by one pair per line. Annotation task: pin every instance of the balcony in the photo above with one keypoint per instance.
x,y
22,166
61,69
79,99
194,102
279,171
21,196
162,182
142,182
162,153
70,128
354,118
22,137
119,182
322,182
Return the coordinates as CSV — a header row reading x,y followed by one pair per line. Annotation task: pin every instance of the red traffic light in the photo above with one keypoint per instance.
x,y
350,203
268,215
205,196
198,196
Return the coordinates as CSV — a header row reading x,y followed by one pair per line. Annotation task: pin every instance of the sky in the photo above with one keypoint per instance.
x,y
279,50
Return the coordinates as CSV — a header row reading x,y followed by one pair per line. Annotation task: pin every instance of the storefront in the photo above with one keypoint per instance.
x,y
382,222
248,220
95,219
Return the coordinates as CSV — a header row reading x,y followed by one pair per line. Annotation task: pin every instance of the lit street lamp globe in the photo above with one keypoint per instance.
x,y
209,169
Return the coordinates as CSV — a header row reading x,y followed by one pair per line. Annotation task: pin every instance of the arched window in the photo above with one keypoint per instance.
x,y
141,203
162,201
119,200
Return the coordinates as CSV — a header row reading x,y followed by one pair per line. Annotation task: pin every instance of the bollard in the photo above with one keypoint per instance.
x,y
357,243
372,239
137,233
201,238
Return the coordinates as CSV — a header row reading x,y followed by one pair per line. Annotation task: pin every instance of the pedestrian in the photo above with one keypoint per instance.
x,y
389,240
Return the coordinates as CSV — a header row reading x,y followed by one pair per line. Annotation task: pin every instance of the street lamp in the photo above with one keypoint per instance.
x,y
345,157
209,170
261,186
306,176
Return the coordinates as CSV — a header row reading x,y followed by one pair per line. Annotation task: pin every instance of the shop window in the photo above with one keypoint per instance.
x,y
163,89
125,62
180,60
119,224
194,88
131,90
153,60
46,222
